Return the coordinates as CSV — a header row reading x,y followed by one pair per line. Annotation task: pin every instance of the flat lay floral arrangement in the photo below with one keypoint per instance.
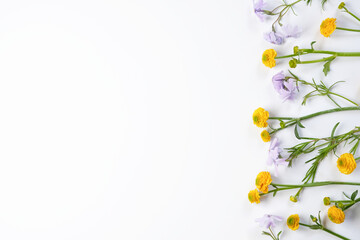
x,y
287,84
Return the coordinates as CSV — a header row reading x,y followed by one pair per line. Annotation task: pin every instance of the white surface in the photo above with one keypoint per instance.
x,y
132,119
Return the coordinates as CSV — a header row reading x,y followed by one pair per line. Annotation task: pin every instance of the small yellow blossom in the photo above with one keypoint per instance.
x,y
260,116
254,196
265,136
327,27
346,163
336,215
268,58
327,201
263,181
293,222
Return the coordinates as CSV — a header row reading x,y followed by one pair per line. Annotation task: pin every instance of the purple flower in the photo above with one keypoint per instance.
x,y
278,81
274,157
274,38
289,89
291,31
259,9
268,220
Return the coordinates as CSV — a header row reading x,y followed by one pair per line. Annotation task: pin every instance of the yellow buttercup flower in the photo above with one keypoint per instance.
x,y
268,58
336,215
293,222
254,196
263,181
346,163
265,136
327,27
260,116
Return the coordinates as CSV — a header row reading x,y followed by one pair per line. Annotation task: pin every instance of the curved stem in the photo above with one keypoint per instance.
x,y
335,94
346,10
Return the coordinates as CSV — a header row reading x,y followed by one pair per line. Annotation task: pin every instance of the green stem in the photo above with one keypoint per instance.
x,y
335,234
352,14
348,29
335,94
315,61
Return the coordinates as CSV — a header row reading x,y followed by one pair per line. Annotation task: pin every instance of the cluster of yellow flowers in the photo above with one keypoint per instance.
x,y
262,183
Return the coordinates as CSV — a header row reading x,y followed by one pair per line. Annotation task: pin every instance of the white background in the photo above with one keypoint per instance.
x,y
132,119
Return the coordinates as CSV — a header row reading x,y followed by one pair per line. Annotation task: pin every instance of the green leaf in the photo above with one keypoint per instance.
x,y
296,132
300,125
334,129
312,44
354,194
346,195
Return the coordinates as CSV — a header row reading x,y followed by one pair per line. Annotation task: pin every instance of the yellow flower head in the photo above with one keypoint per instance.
x,y
268,58
254,196
265,136
327,27
346,163
293,222
336,215
260,116
263,181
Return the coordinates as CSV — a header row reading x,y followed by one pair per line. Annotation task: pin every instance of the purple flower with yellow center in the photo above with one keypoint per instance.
x,y
259,9
274,38
274,157
268,220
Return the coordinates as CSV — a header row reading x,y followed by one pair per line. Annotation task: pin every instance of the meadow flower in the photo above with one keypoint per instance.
x,y
288,91
346,163
336,215
278,81
254,196
268,220
265,136
274,38
259,9
268,58
260,116
263,181
293,222
274,157
328,26
291,31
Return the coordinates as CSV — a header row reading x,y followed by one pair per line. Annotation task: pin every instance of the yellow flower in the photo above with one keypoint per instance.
x,y
263,181
336,215
328,26
268,58
346,163
254,196
293,222
260,116
265,136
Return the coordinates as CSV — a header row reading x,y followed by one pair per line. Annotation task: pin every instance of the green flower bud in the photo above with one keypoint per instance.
x,y
282,124
292,63
314,219
296,49
340,205
341,5
293,198
326,201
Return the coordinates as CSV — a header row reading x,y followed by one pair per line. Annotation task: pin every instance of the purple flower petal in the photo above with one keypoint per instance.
x,y
278,81
289,90
259,9
268,220
291,31
274,38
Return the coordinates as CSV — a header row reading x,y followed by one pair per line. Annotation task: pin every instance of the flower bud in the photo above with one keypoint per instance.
x,y
292,63
340,205
326,201
296,49
293,198
282,124
314,219
341,5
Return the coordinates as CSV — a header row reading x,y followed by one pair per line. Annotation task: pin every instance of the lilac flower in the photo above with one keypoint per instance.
x,y
268,220
274,157
278,81
289,89
274,38
291,31
259,9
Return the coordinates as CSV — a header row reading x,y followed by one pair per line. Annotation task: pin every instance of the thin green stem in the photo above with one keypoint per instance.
x,y
348,29
346,10
334,233
335,94
315,61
